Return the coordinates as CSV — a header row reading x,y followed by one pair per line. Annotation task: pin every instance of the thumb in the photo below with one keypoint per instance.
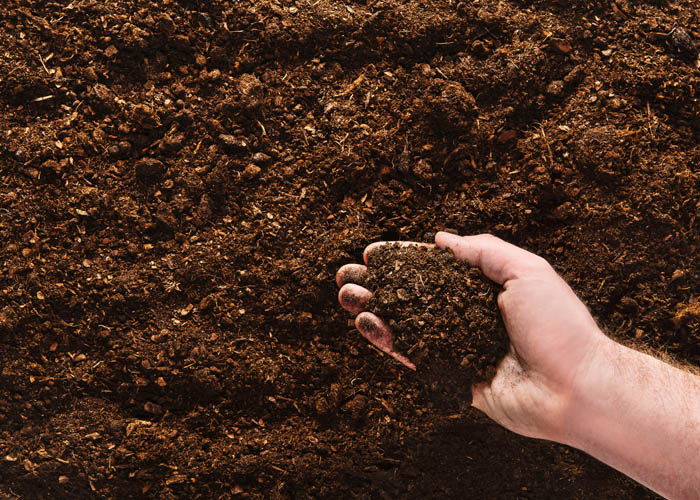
x,y
498,260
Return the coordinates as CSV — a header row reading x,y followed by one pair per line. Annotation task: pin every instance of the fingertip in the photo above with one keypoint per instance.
x,y
339,274
379,334
353,298
366,322
375,330
371,248
498,260
351,273
446,240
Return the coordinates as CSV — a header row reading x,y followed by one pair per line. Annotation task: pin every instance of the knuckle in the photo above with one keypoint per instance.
x,y
540,264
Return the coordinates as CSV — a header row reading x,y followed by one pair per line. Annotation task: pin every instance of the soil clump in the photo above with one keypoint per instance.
x,y
441,310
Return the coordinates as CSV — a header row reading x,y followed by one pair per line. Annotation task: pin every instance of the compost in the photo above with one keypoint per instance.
x,y
180,181
442,313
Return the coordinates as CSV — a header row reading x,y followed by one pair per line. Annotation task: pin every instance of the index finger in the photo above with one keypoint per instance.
x,y
498,260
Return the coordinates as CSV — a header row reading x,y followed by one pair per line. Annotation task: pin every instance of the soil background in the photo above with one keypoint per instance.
x,y
181,179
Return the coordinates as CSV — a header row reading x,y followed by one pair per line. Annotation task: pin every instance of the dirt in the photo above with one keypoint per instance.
x,y
443,313
182,179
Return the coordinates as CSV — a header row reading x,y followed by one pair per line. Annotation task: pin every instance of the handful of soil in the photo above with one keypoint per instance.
x,y
443,313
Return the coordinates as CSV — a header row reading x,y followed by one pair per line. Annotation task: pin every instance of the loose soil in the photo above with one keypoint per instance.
x,y
444,316
181,180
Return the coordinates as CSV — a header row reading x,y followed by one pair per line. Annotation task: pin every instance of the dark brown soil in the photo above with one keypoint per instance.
x,y
180,180
443,313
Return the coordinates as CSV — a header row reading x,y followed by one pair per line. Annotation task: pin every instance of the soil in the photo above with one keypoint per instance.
x,y
181,180
443,313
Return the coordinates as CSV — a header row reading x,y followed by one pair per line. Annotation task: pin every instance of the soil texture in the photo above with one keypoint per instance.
x,y
181,179
442,311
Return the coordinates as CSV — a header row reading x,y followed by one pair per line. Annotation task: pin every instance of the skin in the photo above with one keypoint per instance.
x,y
563,379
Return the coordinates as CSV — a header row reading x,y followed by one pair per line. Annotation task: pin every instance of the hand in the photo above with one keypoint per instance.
x,y
553,336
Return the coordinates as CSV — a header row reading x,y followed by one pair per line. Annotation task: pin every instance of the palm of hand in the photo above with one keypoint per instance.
x,y
552,337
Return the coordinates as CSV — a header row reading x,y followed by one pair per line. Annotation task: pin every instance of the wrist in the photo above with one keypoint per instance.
x,y
639,415
588,390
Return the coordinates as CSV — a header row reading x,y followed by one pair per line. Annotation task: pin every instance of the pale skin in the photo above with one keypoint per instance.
x,y
563,379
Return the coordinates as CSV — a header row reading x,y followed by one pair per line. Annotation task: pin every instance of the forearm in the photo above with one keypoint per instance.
x,y
642,417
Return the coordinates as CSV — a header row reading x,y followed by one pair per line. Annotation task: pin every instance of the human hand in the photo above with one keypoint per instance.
x,y
553,336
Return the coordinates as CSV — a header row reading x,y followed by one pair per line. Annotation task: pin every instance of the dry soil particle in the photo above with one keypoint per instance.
x,y
443,313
